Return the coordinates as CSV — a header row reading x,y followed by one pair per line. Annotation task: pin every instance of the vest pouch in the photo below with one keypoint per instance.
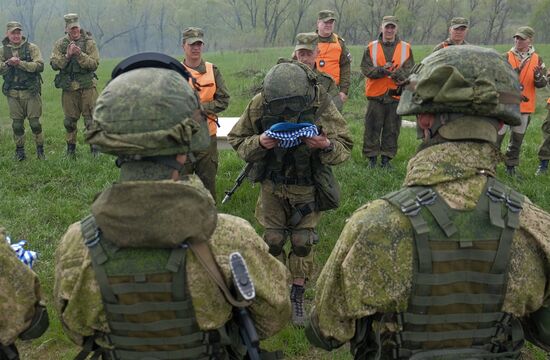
x,y
327,190
58,81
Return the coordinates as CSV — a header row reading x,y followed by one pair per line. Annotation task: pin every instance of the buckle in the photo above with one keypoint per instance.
x,y
513,205
426,197
93,241
411,207
495,195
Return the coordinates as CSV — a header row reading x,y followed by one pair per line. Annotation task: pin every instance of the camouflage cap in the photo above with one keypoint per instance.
x,y
71,20
326,15
468,80
13,25
386,20
457,22
525,32
192,35
307,41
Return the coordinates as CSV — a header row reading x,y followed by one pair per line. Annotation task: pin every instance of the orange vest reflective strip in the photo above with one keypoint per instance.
x,y
329,57
527,81
207,85
378,87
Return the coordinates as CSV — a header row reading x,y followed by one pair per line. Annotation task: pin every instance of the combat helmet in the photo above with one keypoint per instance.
x,y
467,83
148,109
289,86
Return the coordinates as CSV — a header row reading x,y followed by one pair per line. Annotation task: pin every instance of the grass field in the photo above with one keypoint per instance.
x,y
39,199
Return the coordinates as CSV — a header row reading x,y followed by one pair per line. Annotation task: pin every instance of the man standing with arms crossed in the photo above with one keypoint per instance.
x,y
21,65
214,99
386,63
76,58
531,71
334,57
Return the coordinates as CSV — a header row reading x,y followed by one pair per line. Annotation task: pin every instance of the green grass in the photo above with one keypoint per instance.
x,y
39,199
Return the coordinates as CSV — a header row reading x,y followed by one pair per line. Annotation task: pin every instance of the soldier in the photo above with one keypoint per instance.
x,y
334,57
306,52
531,70
454,264
21,65
214,99
289,205
544,150
76,58
385,64
135,278
22,313
457,33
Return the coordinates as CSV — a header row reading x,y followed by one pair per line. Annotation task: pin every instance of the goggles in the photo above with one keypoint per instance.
x,y
293,104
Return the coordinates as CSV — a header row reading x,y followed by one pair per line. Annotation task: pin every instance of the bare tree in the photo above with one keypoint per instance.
x,y
274,15
497,9
300,10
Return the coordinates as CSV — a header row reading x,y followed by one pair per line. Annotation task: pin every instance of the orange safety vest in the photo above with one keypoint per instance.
x,y
206,83
378,87
328,60
527,81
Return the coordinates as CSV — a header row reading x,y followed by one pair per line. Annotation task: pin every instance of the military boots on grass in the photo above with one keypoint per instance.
x,y
372,162
297,302
71,150
543,168
94,150
20,153
40,152
385,162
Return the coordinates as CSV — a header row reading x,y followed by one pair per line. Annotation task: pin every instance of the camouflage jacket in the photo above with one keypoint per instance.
x,y
78,298
19,293
330,86
447,42
88,59
36,65
351,288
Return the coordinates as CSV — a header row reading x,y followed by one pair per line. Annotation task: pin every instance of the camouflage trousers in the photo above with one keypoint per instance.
x,y
76,103
382,128
205,165
23,104
544,150
516,139
276,212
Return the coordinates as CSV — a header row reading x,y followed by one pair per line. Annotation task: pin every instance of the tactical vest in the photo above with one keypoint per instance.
x,y
147,302
73,71
460,275
328,59
378,87
17,79
206,82
526,74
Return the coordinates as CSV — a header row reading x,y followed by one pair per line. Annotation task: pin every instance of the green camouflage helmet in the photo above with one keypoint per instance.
x,y
468,80
287,80
148,112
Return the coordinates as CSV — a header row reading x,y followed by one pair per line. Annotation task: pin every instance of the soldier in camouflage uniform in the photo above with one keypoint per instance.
x,y
455,264
21,64
306,52
288,205
76,58
214,97
544,150
457,33
22,313
145,239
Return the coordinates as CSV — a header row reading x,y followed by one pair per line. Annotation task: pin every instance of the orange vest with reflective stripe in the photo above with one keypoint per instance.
x,y
378,87
329,56
207,89
527,80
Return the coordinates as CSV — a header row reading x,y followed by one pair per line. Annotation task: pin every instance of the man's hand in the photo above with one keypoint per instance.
x,y
317,142
268,142
343,97
13,61
538,71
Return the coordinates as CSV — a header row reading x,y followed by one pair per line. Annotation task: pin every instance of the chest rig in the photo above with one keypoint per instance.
x,y
460,275
73,71
17,79
146,298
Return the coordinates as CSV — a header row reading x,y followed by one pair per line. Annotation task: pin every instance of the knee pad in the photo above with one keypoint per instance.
x,y
18,127
70,124
302,241
275,239
36,127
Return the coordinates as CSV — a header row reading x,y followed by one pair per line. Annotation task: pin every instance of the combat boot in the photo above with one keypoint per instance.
x,y
40,152
94,150
297,301
20,153
71,150
385,163
511,170
543,168
372,162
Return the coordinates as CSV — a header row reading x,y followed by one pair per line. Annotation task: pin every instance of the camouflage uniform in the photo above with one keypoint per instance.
x,y
330,86
20,296
76,78
22,85
447,42
456,22
382,124
544,150
154,254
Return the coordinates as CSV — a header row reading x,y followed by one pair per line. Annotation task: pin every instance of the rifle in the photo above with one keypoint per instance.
x,y
244,172
245,287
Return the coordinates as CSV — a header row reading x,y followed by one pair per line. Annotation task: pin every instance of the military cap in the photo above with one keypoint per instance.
x,y
71,20
389,20
192,34
326,15
525,32
306,41
13,25
457,22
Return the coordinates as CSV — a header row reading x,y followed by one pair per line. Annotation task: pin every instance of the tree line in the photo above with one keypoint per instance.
x,y
123,27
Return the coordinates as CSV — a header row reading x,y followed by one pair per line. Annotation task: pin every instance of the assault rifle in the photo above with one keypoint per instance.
x,y
244,172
